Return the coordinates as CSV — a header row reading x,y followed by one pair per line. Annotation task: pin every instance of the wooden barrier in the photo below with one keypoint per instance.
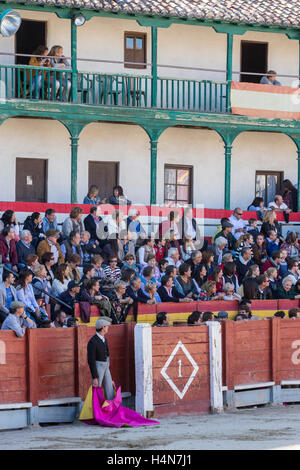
x,y
49,367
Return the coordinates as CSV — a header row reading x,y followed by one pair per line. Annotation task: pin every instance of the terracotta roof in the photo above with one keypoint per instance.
x,y
259,12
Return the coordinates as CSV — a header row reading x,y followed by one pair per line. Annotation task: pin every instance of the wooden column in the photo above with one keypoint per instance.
x,y
32,375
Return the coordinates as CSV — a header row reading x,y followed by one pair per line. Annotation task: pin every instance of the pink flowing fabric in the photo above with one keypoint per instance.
x,y
111,413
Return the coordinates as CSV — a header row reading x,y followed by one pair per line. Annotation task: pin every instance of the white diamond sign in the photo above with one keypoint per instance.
x,y
192,376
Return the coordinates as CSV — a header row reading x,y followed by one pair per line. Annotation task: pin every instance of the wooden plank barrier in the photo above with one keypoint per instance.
x,y
45,375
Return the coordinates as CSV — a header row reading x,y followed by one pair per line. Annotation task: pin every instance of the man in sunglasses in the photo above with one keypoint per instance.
x,y
239,225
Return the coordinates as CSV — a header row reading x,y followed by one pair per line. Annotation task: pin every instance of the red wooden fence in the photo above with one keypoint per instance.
x,y
52,363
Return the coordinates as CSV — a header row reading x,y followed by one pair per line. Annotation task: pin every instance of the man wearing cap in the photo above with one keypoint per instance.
x,y
222,316
226,233
98,359
51,244
70,296
17,319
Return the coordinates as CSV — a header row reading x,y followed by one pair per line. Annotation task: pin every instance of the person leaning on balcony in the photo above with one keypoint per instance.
x,y
58,61
270,78
93,197
37,77
118,198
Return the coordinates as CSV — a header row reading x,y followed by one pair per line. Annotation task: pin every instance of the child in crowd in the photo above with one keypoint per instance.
x,y
252,228
160,249
272,242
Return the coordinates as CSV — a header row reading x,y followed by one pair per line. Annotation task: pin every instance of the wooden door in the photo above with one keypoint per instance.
x,y
31,180
105,176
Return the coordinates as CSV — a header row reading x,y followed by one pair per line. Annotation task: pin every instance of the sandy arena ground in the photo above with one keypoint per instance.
x,y
270,427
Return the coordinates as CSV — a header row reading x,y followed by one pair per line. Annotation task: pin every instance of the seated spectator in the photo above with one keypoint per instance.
x,y
51,244
126,245
127,275
72,246
48,262
222,316
291,245
150,290
270,222
229,275
272,275
136,293
240,317
160,249
293,271
185,284
189,225
252,228
172,241
61,280
73,223
208,261
40,283
152,264
34,223
263,291
243,263
118,198
172,224
200,276
17,320
134,226
226,233
88,247
168,293
289,195
148,275
279,314
279,206
25,294
272,242
274,261
59,319
120,303
7,294
171,271
92,196
256,205
270,79
90,293
219,249
24,248
111,248
173,258
217,277
32,262
227,258
129,262
162,319
219,228
9,219
97,262
116,222
8,250
194,318
88,274
294,313
195,261
245,241
286,290
144,251
229,292
69,297
249,286
207,316
260,255
209,290
112,272
283,262
50,221
95,225
162,266
73,263
239,225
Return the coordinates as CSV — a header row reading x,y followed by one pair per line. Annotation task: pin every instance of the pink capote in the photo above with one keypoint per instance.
x,y
111,413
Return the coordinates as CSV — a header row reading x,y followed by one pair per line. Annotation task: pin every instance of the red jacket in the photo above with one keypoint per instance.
x,y
8,255
268,264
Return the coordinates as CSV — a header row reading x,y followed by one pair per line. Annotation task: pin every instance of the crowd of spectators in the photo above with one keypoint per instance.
x,y
115,264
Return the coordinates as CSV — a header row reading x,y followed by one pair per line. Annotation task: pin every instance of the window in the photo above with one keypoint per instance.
x,y
254,59
178,184
135,50
268,184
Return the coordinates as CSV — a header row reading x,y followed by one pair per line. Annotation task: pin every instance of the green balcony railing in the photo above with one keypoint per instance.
x,y
45,83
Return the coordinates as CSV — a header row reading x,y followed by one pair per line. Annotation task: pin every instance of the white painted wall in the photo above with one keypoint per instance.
x,y
128,145
253,151
202,149
33,138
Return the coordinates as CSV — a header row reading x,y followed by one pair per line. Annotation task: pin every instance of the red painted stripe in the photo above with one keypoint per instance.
x,y
282,90
266,113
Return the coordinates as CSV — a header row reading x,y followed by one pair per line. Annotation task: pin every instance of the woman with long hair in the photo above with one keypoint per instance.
x,y
118,198
257,205
60,82
270,222
289,195
260,255
25,294
93,197
61,280
9,218
291,245
38,78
